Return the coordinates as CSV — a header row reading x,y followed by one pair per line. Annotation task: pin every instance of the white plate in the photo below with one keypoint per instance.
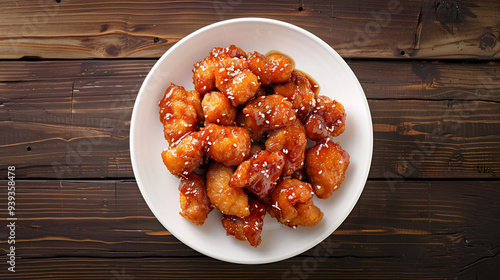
x,y
160,188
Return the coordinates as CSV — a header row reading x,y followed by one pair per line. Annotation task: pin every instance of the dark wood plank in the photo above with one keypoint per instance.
x,y
428,80
70,119
433,80
431,229
374,29
435,139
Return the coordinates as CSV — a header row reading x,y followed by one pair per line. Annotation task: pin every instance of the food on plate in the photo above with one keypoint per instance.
x,y
194,201
217,108
271,69
247,228
186,155
326,120
292,141
325,166
268,112
229,145
300,92
238,142
180,112
292,204
236,81
227,199
260,173
203,71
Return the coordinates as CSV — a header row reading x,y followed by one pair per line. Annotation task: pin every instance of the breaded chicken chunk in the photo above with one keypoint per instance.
x,y
259,173
229,145
326,120
325,165
194,201
271,69
292,141
180,112
299,91
203,71
247,228
227,199
217,108
234,79
186,155
268,112
292,204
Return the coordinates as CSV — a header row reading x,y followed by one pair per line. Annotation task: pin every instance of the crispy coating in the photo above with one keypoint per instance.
x,y
186,155
229,145
180,112
299,91
271,69
227,199
194,201
233,78
292,141
259,173
217,108
255,135
287,193
325,167
203,71
248,228
292,204
268,112
326,120
309,215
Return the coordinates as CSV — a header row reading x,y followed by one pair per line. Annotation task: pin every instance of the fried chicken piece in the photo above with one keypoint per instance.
x,y
186,155
292,204
299,91
203,71
309,215
292,141
227,199
180,112
233,78
268,112
240,122
194,202
229,145
259,173
325,167
326,120
248,228
217,108
271,69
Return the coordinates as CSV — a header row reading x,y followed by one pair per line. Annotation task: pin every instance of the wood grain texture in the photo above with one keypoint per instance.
x,y
70,119
369,29
431,229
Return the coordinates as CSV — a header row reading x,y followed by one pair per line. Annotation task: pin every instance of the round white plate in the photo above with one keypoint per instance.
x,y
160,188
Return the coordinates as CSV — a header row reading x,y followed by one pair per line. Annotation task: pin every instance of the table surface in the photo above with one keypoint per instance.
x,y
429,69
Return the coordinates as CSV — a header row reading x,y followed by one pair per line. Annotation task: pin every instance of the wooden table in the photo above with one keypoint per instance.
x,y
69,75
